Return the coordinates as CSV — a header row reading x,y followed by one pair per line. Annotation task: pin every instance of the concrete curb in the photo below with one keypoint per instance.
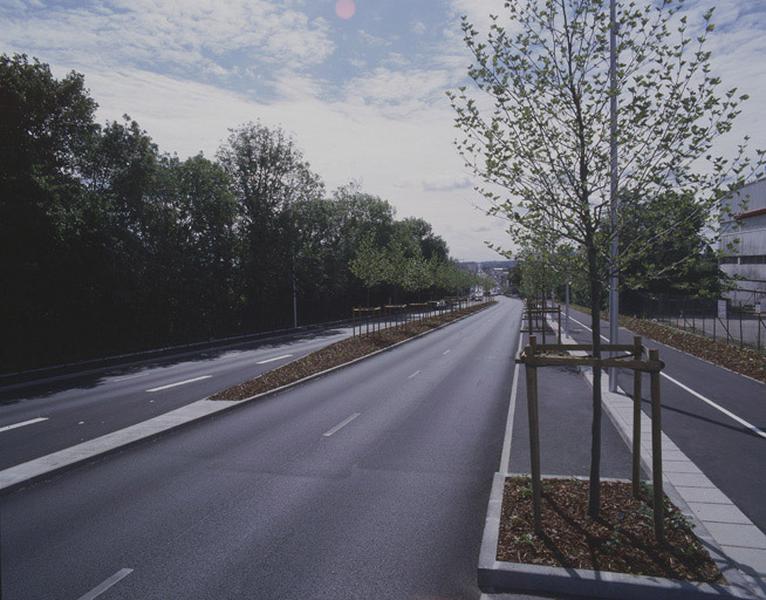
x,y
43,467
503,577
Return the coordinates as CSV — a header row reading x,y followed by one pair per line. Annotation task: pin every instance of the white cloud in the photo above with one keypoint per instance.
x,y
418,27
396,158
385,85
182,36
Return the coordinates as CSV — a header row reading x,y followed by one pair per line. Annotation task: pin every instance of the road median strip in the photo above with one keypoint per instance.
x,y
340,354
41,468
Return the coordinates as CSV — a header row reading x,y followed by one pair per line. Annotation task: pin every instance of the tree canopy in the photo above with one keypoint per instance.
x,y
108,245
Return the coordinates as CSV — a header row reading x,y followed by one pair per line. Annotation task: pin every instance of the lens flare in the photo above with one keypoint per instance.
x,y
345,9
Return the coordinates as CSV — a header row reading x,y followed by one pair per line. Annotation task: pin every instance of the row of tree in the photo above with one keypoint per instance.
x,y
109,245
682,264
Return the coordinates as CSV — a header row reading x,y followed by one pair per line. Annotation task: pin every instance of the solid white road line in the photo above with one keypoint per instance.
x,y
23,423
728,413
445,352
268,360
341,425
415,374
708,401
106,584
505,456
177,383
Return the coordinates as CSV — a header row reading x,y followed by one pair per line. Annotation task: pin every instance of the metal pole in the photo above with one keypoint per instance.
x,y
566,321
295,301
658,506
614,200
636,478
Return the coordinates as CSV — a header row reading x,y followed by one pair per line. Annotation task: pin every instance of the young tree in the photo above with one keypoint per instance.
x,y
539,133
372,264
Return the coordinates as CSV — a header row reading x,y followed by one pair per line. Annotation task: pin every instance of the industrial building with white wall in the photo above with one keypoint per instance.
x,y
743,245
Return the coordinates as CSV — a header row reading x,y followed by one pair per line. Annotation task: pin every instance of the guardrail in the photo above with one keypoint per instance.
x,y
73,369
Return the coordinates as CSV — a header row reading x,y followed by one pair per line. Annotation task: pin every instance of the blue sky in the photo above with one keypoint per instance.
x,y
363,96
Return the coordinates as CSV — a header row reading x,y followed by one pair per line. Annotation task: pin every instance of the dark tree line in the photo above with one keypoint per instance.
x,y
109,245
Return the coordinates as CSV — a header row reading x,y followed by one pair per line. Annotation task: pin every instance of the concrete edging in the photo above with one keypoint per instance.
x,y
43,467
496,576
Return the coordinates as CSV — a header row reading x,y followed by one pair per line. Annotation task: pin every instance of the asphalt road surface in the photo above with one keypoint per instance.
x,y
43,417
371,482
725,448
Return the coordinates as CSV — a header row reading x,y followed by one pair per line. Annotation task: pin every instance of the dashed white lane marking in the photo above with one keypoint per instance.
x,y
106,584
341,425
415,374
445,352
23,424
177,383
268,360
696,394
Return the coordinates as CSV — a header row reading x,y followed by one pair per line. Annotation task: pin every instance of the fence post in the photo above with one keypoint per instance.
x,y
658,504
534,437
741,342
637,355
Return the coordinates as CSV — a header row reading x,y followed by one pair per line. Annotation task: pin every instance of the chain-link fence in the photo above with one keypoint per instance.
x,y
723,320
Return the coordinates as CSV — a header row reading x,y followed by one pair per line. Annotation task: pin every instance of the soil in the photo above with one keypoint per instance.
x,y
338,354
620,540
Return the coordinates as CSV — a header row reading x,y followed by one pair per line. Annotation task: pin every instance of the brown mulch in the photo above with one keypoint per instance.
x,y
337,354
620,540
741,360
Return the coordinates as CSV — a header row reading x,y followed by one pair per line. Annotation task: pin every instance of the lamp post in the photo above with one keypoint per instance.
x,y
614,199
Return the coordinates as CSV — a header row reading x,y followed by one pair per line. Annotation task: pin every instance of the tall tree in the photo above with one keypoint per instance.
x,y
268,175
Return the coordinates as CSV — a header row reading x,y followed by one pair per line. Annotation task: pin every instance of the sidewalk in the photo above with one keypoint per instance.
x,y
565,408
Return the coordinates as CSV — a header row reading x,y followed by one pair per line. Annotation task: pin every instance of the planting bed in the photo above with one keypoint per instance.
x,y
337,354
746,361
621,540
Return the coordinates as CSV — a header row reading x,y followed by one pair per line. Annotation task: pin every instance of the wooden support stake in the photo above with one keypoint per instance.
x,y
659,532
534,438
637,420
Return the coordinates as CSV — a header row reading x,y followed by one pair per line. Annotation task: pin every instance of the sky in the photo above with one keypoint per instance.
x,y
359,84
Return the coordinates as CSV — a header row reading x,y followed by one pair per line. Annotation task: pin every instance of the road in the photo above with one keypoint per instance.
x,y
43,417
729,452
371,482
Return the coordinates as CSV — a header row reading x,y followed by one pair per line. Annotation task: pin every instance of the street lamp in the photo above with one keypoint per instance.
x,y
614,199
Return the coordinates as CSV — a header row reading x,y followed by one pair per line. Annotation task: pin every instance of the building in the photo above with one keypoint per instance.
x,y
743,244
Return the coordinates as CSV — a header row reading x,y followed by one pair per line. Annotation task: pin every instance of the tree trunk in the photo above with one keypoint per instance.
x,y
594,498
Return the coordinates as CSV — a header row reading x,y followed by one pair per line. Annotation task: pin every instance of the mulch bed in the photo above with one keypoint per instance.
x,y
621,540
741,360
337,354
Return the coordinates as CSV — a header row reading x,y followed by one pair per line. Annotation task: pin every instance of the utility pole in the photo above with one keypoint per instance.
x,y
295,300
614,199
566,310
